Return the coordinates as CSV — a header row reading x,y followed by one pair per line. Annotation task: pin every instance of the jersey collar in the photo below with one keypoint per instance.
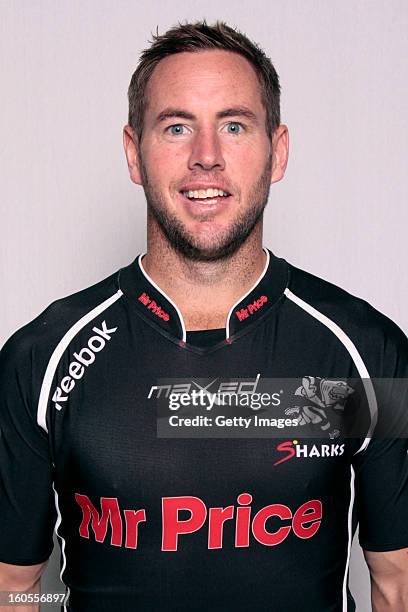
x,y
153,304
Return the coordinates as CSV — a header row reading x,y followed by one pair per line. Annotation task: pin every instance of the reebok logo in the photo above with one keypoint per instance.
x,y
84,358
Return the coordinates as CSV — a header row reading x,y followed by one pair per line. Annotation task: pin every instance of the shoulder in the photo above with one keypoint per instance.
x,y
37,339
382,343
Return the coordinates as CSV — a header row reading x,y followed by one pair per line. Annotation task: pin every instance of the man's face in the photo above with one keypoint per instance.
x,y
205,128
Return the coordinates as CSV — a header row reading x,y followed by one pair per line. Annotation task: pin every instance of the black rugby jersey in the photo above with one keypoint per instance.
x,y
155,513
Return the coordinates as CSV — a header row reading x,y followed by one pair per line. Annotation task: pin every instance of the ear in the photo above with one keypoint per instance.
x,y
280,152
130,144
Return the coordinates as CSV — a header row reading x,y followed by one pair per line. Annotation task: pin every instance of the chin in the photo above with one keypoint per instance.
x,y
214,249
205,240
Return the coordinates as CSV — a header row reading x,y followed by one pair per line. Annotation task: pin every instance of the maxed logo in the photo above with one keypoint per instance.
x,y
294,450
82,360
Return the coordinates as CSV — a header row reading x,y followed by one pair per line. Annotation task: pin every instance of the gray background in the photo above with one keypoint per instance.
x,y
69,214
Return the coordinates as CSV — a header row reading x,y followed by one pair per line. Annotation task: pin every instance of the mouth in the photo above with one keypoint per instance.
x,y
207,196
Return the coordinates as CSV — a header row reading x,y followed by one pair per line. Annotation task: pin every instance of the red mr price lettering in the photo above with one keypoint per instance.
x,y
151,305
304,522
109,513
250,309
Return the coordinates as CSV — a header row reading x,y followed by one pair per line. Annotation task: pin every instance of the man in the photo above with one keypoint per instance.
x,y
152,514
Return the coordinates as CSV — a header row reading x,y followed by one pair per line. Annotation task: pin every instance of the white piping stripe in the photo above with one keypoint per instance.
x,y
355,355
151,281
64,559
350,537
57,354
247,293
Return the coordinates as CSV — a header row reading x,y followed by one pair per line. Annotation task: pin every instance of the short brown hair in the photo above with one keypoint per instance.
x,y
198,36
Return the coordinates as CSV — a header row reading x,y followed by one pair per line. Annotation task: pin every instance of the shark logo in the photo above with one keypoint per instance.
x,y
317,396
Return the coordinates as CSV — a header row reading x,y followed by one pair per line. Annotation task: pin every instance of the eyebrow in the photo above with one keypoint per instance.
x,y
234,111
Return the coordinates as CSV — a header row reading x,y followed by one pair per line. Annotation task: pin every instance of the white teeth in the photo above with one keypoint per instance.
x,y
201,194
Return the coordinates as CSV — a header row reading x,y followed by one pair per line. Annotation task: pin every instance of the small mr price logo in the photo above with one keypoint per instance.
x,y
153,306
250,309
293,449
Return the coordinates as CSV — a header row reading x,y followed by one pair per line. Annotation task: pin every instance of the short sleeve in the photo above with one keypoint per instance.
x,y
27,508
381,471
382,495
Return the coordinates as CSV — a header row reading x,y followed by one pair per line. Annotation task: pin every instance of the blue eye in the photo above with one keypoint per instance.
x,y
234,127
176,129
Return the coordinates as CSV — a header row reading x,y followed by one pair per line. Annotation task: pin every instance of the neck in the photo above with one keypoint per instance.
x,y
204,291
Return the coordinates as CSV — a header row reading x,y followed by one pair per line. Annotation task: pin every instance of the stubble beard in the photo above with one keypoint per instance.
x,y
224,245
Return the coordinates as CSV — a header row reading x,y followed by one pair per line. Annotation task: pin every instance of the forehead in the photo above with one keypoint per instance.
x,y
209,78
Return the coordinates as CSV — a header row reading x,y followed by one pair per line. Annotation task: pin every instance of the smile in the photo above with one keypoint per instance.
x,y
203,194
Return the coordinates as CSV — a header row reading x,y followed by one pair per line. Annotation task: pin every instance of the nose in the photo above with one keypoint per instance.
x,y
206,152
